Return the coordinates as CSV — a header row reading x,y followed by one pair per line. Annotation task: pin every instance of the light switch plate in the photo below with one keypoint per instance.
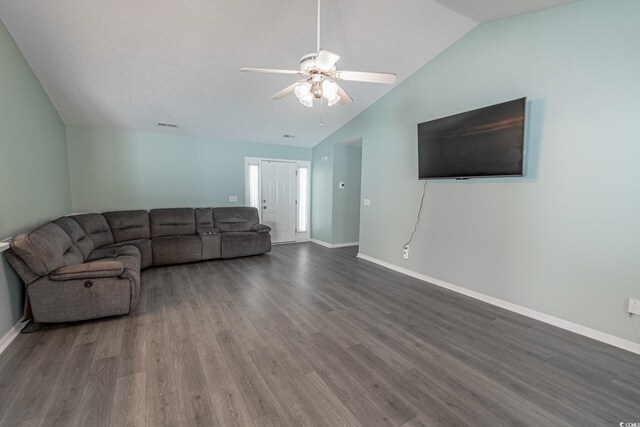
x,y
634,306
366,202
233,199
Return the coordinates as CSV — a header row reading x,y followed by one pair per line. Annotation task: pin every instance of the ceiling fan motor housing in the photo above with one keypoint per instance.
x,y
308,64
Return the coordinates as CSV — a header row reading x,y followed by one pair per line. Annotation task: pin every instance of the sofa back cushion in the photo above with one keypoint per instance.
x,y
128,225
78,237
96,227
204,218
235,219
46,249
172,222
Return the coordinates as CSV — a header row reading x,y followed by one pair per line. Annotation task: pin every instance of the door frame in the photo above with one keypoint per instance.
x,y
300,236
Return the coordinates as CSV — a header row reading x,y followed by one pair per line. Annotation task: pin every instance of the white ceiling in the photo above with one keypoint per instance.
x,y
130,64
489,10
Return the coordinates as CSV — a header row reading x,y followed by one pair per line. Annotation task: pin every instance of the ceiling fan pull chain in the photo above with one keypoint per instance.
x,y
321,124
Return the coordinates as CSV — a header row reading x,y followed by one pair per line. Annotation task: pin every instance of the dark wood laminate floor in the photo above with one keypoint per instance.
x,y
312,336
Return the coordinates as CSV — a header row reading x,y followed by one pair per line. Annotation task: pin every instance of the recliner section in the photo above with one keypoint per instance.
x,y
241,232
62,286
88,266
174,236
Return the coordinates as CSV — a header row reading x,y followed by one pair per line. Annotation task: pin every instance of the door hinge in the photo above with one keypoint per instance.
x,y
296,173
296,202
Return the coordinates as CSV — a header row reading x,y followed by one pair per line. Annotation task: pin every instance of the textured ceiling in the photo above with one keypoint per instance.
x,y
130,64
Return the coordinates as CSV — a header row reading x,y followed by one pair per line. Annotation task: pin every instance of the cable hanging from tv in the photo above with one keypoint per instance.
x,y
415,227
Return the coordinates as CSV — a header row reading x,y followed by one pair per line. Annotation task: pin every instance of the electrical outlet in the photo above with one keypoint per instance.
x,y
405,252
634,306
233,199
366,202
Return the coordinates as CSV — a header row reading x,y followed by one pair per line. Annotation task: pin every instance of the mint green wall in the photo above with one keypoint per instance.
x,y
335,213
34,182
113,169
346,201
322,193
565,240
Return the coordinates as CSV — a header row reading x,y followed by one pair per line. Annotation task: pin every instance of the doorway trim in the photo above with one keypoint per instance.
x,y
301,235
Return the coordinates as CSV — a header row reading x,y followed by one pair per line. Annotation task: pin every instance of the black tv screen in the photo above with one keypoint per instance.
x,y
487,142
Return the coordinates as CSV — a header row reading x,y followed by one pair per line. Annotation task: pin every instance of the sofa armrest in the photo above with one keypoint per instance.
x,y
89,270
206,231
261,228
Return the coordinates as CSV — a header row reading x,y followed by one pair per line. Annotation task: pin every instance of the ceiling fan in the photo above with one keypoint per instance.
x,y
321,75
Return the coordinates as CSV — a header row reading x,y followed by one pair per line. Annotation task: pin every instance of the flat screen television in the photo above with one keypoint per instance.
x,y
483,143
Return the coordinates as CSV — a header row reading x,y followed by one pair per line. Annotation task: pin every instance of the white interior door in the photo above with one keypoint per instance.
x,y
279,199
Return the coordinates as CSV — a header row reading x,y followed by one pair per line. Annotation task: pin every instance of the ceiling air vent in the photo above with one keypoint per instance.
x,y
167,125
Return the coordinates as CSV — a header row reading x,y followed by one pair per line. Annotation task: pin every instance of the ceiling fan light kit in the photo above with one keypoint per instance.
x,y
322,73
316,88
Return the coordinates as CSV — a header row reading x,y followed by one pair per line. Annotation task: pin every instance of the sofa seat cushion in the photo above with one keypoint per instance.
x,y
244,243
143,246
96,227
128,225
176,249
127,255
172,222
114,252
46,249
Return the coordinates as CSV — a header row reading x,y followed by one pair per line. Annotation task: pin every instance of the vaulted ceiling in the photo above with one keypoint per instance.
x,y
131,64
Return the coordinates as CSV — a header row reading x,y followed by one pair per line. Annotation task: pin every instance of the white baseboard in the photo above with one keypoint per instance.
x,y
546,318
321,243
10,335
334,245
345,245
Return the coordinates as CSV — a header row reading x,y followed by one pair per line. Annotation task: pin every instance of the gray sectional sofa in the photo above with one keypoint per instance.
x,y
88,266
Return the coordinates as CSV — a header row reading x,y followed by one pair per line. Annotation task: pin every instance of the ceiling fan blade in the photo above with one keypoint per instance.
x,y
363,76
325,60
344,97
287,90
270,71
